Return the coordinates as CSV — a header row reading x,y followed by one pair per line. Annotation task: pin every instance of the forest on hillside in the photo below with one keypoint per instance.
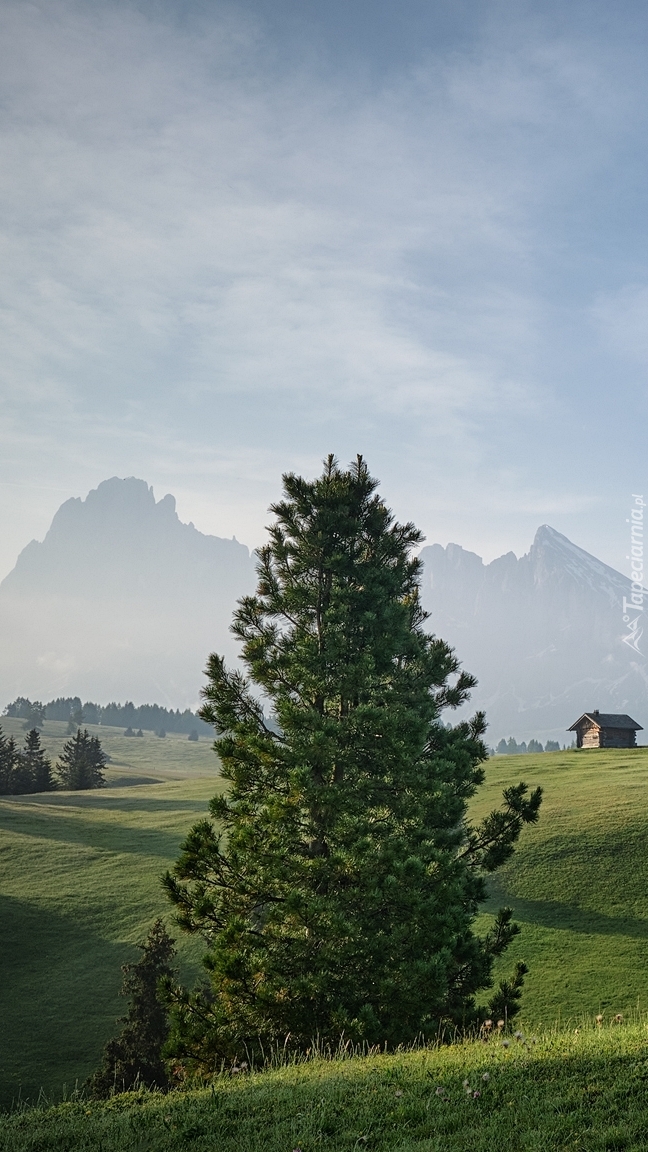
x,y
151,717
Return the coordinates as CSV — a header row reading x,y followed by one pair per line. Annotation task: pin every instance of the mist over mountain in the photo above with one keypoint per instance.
x,y
121,599
543,634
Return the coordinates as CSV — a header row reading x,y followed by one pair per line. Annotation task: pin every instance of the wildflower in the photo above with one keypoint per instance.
x,y
399,1093
486,1077
518,1035
500,1024
506,1043
235,1071
488,1023
599,1019
618,1018
576,1031
243,1065
476,1094
440,1091
466,1084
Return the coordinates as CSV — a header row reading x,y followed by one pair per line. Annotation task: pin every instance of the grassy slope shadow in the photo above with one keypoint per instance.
x,y
49,1048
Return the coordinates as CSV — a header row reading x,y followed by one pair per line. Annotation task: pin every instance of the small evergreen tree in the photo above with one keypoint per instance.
x,y
502,748
9,756
82,762
340,894
505,1004
552,746
535,746
37,764
134,1058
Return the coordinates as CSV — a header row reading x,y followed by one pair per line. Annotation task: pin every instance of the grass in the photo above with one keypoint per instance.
x,y
80,885
585,1091
578,882
130,756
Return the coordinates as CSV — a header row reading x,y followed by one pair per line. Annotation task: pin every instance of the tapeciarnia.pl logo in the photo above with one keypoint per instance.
x,y
634,606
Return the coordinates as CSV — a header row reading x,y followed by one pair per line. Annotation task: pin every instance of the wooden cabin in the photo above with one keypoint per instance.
x,y
606,730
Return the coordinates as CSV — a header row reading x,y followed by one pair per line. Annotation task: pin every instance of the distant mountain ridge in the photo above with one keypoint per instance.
x,y
118,536
120,599
542,633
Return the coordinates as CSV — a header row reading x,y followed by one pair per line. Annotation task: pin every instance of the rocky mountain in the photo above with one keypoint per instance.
x,y
121,599
543,634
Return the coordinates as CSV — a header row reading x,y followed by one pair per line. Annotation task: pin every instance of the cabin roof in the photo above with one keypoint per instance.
x,y
607,720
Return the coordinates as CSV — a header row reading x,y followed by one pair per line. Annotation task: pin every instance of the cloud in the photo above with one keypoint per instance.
x,y
622,318
216,265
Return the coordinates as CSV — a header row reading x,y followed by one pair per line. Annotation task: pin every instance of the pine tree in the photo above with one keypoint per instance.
x,y
37,764
76,717
134,1058
8,764
82,762
505,1004
338,896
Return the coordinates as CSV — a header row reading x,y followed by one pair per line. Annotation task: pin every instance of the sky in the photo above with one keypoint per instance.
x,y
235,237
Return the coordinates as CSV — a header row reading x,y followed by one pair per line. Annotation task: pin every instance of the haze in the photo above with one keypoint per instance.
x,y
237,237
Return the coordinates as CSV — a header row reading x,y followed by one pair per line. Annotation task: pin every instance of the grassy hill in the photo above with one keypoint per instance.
x,y
585,1092
80,884
130,756
579,882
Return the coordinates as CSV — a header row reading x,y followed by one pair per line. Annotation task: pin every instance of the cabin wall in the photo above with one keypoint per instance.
x,y
590,736
618,738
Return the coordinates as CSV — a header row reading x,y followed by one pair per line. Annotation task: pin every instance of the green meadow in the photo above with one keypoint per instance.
x,y
80,884
150,757
557,1092
578,882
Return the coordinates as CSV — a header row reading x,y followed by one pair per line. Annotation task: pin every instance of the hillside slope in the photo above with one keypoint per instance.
x,y
546,1094
80,884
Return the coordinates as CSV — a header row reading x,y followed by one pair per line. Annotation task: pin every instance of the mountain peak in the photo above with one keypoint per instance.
x,y
120,598
113,501
114,541
546,533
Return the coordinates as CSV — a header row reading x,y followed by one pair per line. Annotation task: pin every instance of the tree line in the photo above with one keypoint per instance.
x,y
74,712
510,747
29,769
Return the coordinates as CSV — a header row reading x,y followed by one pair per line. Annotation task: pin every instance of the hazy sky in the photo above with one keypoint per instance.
x,y
235,237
